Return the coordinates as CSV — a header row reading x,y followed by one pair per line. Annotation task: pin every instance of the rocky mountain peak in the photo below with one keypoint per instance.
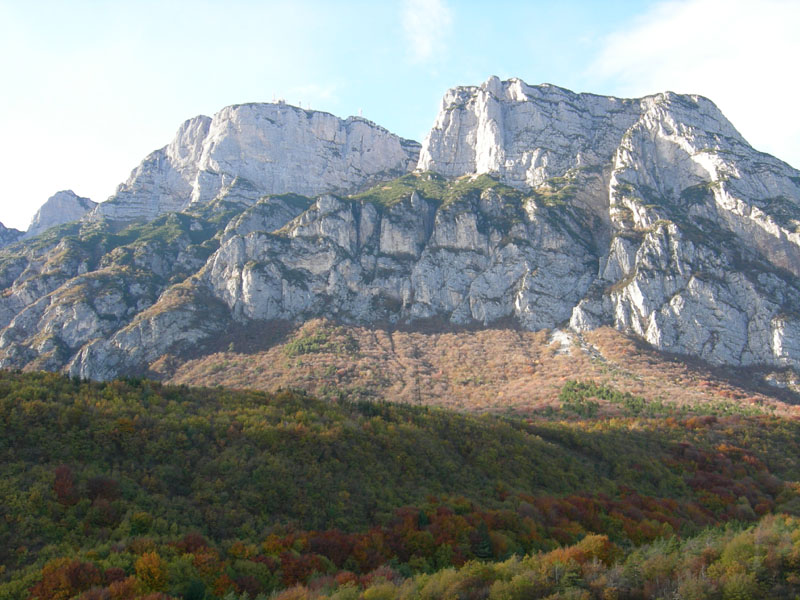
x,y
529,204
62,207
260,149
526,134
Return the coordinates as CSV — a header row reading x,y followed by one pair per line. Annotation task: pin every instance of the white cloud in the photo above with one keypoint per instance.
x,y
427,25
740,54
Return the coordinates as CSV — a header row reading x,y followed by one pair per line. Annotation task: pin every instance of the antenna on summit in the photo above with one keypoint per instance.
x,y
360,113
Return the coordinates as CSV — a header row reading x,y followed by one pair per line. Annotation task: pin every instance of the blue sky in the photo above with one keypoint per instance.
x,y
91,87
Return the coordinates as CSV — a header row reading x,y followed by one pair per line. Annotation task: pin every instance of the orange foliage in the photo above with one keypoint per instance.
x,y
125,589
370,551
64,578
206,561
222,585
297,568
151,571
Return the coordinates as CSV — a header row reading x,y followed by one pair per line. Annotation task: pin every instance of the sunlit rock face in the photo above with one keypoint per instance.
x,y
60,208
524,134
530,205
260,149
698,233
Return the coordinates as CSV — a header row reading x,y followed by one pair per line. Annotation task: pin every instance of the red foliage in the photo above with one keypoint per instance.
x,y
222,585
382,573
66,578
64,486
344,577
447,527
113,574
191,543
297,568
333,544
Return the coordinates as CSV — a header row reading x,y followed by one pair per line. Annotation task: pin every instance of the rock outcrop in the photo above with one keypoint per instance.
x,y
482,255
530,205
9,235
698,234
60,208
260,149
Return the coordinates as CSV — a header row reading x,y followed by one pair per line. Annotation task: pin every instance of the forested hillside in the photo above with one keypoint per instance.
x,y
132,489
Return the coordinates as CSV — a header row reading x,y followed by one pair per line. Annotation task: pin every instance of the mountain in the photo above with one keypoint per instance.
x,y
60,208
692,226
9,235
531,207
249,150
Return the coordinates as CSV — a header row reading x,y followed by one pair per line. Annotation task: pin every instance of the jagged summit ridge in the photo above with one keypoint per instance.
x,y
246,151
529,204
526,135
633,163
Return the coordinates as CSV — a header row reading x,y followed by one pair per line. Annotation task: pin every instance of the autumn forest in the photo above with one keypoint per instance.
x,y
135,489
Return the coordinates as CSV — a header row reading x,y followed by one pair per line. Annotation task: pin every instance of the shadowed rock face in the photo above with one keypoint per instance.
x,y
9,235
531,204
60,208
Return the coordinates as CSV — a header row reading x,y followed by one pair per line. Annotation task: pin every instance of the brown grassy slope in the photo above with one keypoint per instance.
x,y
499,370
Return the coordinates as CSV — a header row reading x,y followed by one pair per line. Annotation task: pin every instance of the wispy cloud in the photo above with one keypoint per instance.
x,y
737,52
427,26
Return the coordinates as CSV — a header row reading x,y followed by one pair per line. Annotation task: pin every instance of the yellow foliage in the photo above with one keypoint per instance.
x,y
380,591
151,572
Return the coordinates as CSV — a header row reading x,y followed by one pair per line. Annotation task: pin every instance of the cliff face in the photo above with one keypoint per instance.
x,y
531,205
260,149
697,233
525,135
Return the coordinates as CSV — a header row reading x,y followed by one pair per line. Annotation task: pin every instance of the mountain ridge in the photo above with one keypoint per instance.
x,y
653,216
9,235
265,148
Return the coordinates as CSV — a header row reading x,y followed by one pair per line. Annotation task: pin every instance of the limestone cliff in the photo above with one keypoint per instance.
x,y
62,207
530,205
698,233
260,149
